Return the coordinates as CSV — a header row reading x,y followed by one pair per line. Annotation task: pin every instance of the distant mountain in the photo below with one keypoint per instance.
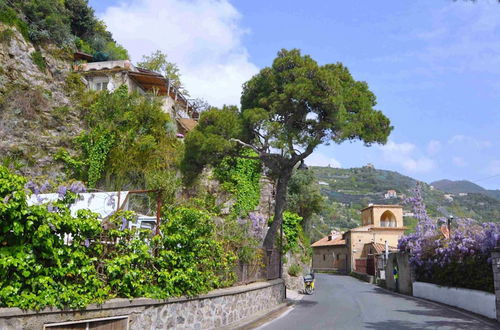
x,y
464,186
349,190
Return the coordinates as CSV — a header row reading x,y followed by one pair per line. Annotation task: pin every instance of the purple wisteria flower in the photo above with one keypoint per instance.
x,y
124,223
45,186
61,191
77,187
257,225
51,208
33,187
428,247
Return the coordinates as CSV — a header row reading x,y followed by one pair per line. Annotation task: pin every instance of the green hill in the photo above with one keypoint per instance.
x,y
349,190
464,186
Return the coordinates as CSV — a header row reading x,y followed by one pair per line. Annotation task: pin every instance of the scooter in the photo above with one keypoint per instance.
x,y
309,283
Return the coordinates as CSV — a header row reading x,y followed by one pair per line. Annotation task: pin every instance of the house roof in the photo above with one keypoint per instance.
x,y
380,248
82,56
337,240
383,206
187,123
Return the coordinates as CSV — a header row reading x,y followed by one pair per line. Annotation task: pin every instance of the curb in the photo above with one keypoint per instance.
x,y
477,317
259,319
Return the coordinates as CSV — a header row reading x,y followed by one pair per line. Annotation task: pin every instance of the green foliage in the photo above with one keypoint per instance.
x,y
304,196
115,51
128,142
157,62
295,270
74,85
192,261
76,168
96,146
6,36
61,113
38,269
473,272
292,230
66,23
39,60
10,17
210,141
241,177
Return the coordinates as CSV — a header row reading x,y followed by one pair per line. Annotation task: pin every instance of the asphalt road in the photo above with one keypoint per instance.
x,y
343,302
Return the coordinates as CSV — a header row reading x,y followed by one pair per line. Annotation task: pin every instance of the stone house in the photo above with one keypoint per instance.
x,y
355,250
109,75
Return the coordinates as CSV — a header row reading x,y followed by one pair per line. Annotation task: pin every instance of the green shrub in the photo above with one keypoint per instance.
x,y
292,230
6,36
295,270
10,17
39,60
38,269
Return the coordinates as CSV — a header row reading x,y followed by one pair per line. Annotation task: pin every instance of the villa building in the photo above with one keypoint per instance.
x,y
109,75
358,248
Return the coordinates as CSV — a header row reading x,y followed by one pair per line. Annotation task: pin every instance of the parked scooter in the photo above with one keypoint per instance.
x,y
309,283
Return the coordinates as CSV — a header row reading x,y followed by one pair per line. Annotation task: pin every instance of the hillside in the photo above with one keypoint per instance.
x,y
464,186
349,190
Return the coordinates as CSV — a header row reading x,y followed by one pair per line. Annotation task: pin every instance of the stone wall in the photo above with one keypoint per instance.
x,y
495,263
406,276
216,309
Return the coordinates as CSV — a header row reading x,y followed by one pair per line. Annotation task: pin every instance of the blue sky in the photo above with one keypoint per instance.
x,y
433,64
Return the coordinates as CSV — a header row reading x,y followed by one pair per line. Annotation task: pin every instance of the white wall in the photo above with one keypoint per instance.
x,y
475,301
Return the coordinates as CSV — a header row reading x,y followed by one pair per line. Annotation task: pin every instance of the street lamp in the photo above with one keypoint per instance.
x,y
450,219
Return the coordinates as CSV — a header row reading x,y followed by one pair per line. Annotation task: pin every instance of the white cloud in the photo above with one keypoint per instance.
x,y
405,155
202,36
320,159
433,147
459,161
471,141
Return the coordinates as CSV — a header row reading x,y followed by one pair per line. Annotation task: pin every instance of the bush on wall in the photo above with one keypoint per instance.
x,y
39,269
460,260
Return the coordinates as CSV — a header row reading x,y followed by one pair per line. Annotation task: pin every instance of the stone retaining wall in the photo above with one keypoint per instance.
x,y
213,310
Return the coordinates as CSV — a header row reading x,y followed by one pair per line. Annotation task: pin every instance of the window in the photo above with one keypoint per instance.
x,y
324,257
101,86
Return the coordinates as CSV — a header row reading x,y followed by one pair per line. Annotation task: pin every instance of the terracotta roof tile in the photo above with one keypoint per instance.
x,y
337,240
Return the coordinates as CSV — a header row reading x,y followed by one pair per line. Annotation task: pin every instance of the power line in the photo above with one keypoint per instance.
x,y
488,177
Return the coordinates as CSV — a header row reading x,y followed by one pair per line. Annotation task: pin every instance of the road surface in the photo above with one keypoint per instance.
x,y
343,302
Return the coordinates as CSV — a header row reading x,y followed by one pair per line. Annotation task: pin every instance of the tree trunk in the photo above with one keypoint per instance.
x,y
279,207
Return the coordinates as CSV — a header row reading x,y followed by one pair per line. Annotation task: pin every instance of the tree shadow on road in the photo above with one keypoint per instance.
x,y
306,303
407,325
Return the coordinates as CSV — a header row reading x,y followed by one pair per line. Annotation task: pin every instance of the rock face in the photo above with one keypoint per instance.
x,y
37,116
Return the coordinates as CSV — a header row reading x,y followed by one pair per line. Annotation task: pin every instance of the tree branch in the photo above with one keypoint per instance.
x,y
246,145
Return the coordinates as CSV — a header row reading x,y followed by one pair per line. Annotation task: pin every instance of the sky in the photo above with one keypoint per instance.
x,y
434,66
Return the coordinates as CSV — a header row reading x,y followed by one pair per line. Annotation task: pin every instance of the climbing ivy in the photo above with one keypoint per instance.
x,y
96,146
241,177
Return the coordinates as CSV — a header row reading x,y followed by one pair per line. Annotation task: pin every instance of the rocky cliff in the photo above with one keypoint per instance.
x,y
37,116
